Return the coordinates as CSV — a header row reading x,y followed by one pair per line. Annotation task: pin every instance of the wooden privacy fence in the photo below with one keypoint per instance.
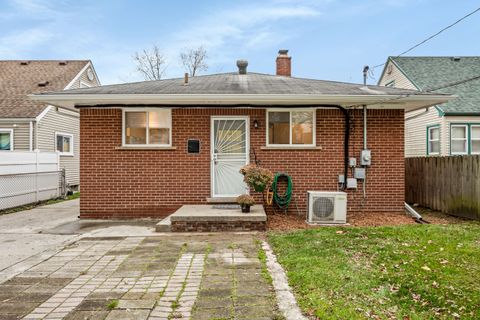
x,y
448,184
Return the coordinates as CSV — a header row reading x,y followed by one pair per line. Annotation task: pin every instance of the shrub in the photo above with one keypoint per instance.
x,y
246,200
256,177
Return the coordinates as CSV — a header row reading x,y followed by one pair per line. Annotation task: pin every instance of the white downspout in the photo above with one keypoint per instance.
x,y
30,140
36,135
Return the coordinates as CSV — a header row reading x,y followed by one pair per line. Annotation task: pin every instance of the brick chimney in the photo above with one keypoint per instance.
x,y
284,64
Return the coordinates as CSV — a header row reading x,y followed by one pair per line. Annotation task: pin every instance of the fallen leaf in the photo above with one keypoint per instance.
x,y
339,232
426,268
443,261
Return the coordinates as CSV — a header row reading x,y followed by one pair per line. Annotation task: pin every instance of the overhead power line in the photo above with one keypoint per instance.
x,y
432,36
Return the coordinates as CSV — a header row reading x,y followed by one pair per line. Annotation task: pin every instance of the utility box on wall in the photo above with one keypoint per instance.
x,y
193,146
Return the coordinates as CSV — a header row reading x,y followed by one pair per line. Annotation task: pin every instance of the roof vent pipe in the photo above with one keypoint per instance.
x,y
242,66
185,79
365,75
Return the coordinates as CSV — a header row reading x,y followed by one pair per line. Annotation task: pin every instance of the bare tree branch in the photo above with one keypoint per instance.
x,y
151,63
194,60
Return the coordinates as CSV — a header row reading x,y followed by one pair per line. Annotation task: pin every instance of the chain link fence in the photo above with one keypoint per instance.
x,y
19,189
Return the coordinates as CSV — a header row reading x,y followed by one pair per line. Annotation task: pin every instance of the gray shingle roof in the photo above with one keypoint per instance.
x,y
17,80
233,83
431,72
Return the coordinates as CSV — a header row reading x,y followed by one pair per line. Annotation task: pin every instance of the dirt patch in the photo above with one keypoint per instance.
x,y
437,217
375,219
281,222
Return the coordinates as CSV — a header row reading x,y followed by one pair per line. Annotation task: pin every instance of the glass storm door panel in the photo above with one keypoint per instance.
x,y
229,154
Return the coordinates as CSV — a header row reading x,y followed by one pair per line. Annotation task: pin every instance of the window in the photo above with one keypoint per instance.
x,y
6,139
459,139
291,128
150,127
64,143
433,136
475,139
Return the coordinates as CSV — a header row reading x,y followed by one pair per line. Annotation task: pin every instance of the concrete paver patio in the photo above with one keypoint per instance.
x,y
182,276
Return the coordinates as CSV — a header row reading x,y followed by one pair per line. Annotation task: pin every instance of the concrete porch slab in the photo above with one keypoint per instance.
x,y
216,213
207,218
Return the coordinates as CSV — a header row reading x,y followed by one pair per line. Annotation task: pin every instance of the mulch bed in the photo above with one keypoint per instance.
x,y
281,222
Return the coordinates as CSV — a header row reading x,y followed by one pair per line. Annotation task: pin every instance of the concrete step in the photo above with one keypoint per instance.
x,y
164,225
224,200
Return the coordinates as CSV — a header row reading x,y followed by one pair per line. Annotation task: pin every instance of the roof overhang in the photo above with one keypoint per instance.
x,y
406,102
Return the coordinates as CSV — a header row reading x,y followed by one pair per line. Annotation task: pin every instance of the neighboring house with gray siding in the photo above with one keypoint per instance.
x,y
29,125
452,128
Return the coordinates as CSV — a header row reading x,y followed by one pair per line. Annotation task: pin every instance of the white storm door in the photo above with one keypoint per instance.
x,y
229,152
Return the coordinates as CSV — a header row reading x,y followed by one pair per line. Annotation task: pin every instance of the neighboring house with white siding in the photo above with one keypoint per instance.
x,y
452,128
29,125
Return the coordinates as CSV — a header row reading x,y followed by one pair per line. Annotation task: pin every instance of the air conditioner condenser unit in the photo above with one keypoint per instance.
x,y
326,207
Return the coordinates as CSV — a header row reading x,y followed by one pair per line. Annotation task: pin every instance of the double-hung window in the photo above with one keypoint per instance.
x,y
6,139
459,139
294,128
64,143
433,140
475,139
147,127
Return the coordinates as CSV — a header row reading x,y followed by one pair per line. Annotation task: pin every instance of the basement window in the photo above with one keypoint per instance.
x,y
6,139
433,134
291,127
459,139
64,143
147,127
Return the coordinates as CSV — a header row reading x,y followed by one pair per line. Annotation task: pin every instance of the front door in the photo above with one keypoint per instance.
x,y
229,152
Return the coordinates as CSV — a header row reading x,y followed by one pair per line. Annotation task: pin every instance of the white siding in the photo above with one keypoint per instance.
x,y
416,124
83,78
66,121
21,133
401,81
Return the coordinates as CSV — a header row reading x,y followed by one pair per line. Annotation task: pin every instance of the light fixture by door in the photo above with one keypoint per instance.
x,y
255,124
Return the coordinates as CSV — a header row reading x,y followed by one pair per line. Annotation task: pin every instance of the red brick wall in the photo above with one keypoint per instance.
x,y
134,183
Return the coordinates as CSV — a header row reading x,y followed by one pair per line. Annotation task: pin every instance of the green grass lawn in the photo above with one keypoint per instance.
x,y
403,272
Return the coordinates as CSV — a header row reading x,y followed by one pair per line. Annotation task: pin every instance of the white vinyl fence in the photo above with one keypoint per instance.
x,y
28,177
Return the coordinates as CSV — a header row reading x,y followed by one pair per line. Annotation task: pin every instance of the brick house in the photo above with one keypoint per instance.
x,y
150,147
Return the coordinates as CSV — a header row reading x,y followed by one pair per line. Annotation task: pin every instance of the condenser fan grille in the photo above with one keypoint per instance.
x,y
323,208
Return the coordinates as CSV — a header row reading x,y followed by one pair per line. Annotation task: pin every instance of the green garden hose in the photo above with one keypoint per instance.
x,y
282,200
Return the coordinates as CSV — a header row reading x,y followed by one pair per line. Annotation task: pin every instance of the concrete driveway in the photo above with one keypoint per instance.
x,y
28,237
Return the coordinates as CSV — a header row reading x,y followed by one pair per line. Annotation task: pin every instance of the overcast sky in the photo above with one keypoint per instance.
x,y
327,39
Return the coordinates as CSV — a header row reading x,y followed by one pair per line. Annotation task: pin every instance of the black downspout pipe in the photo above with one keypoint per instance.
x,y
346,143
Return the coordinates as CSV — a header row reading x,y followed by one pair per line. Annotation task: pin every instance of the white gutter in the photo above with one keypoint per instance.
x,y
30,137
71,100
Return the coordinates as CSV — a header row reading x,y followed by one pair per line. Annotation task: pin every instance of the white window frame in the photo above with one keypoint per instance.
x,y
69,135
429,151
10,131
290,110
465,126
147,144
473,139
